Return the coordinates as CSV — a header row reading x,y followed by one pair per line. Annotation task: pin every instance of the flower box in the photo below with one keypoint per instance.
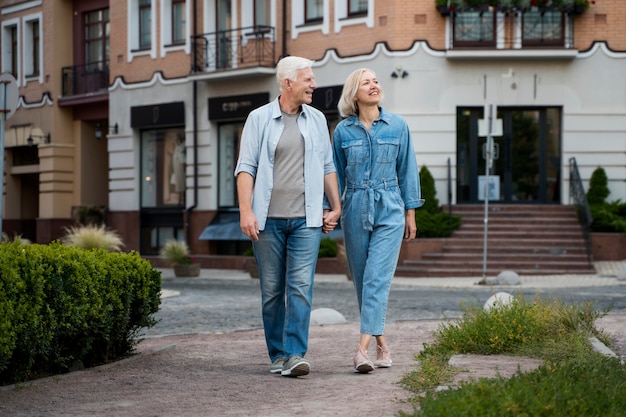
x,y
187,270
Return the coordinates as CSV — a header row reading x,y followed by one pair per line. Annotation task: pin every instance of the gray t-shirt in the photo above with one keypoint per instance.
x,y
287,200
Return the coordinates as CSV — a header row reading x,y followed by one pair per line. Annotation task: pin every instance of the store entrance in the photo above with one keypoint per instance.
x,y
527,164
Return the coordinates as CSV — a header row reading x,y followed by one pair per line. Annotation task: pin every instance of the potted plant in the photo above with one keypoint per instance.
x,y
445,7
579,6
176,254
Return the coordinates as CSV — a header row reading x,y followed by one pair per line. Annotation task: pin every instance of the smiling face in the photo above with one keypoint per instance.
x,y
301,89
369,92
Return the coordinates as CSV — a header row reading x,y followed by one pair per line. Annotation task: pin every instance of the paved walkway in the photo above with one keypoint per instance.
x,y
199,375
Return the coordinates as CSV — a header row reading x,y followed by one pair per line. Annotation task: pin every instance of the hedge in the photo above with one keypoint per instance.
x,y
60,305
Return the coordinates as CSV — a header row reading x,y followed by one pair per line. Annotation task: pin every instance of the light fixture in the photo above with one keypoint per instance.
x,y
31,139
112,129
399,73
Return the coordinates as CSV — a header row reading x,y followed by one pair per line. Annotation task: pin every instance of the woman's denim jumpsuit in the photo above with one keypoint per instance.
x,y
378,173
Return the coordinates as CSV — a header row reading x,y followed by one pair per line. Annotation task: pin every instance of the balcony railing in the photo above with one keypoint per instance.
x,y
511,30
85,79
245,47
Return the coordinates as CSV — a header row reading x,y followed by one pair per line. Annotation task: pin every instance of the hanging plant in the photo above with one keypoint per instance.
x,y
445,7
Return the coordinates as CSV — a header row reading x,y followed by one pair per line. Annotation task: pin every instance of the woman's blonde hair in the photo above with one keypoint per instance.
x,y
347,102
287,69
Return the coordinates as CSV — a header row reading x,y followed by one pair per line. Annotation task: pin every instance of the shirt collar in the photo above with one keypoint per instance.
x,y
276,112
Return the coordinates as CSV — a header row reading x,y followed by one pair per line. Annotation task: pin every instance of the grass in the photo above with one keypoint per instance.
x,y
573,381
93,237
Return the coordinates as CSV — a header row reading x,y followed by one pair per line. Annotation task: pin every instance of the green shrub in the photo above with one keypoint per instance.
x,y
607,217
61,304
431,221
598,187
328,248
429,191
574,380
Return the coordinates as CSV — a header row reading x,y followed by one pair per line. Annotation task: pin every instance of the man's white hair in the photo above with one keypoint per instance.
x,y
287,68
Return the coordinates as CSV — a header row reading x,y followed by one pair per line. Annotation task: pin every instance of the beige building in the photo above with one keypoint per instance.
x,y
137,105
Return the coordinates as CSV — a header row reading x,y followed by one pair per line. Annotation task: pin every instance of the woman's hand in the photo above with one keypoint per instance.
x,y
330,220
410,229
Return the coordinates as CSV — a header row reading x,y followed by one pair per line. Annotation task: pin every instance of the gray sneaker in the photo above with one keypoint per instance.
x,y
295,366
277,366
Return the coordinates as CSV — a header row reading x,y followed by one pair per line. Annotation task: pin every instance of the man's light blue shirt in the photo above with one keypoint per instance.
x,y
259,140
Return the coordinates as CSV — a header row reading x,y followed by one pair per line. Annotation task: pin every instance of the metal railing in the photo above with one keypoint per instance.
x,y
252,46
579,197
84,79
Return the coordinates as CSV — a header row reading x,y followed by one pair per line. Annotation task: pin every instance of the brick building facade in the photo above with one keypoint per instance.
x,y
136,106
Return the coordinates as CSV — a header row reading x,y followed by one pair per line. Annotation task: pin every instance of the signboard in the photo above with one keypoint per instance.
x,y
8,101
235,107
483,127
494,187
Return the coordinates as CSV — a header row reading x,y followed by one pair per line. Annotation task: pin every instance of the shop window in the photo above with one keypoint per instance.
x,y
162,168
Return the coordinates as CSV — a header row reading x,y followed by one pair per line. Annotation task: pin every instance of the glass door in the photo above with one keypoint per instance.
x,y
526,165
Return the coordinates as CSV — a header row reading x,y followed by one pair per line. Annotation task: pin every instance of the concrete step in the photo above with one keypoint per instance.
x,y
528,239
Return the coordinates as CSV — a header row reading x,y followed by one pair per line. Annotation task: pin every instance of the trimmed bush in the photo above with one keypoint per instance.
x,y
430,219
608,217
598,187
60,305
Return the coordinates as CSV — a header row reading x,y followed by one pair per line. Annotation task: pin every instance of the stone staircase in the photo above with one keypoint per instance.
x,y
526,239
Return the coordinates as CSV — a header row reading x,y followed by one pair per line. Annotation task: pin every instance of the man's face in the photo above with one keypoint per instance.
x,y
302,88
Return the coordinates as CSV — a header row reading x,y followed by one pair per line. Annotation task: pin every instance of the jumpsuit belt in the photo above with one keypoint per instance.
x,y
369,194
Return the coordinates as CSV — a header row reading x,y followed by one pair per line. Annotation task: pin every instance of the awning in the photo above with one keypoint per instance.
x,y
225,226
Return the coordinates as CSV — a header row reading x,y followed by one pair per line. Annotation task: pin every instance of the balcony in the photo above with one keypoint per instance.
x,y
234,53
85,83
493,33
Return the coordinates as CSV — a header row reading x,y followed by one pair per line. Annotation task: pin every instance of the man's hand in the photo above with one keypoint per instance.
x,y
249,224
330,220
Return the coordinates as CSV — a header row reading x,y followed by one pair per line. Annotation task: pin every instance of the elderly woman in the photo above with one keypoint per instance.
x,y
379,183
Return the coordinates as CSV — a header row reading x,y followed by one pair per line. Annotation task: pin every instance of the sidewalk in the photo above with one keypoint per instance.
x,y
227,374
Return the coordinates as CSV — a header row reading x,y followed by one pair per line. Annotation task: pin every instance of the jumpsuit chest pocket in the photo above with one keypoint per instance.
x,y
387,149
354,151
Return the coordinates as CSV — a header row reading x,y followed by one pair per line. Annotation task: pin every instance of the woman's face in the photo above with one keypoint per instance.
x,y
369,92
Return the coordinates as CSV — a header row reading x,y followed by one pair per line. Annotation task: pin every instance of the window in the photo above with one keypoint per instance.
x,y
97,30
474,28
543,28
145,23
179,22
262,13
313,11
353,12
10,50
162,167
357,7
32,49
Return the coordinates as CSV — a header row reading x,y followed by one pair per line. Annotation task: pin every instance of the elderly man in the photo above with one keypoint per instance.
x,y
288,195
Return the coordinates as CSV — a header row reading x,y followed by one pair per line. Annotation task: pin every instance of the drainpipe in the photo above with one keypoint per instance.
x,y
195,138
284,46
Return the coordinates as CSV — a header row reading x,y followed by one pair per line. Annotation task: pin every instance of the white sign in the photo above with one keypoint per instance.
x,y
494,187
8,94
483,127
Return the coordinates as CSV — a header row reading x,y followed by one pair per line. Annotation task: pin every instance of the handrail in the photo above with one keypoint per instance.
x,y
450,196
577,193
86,78
234,48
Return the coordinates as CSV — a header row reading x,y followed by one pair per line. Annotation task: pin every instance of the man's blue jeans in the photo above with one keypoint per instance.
x,y
286,254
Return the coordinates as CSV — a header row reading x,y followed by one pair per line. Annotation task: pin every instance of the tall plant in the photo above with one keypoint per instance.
x,y
598,187
430,219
